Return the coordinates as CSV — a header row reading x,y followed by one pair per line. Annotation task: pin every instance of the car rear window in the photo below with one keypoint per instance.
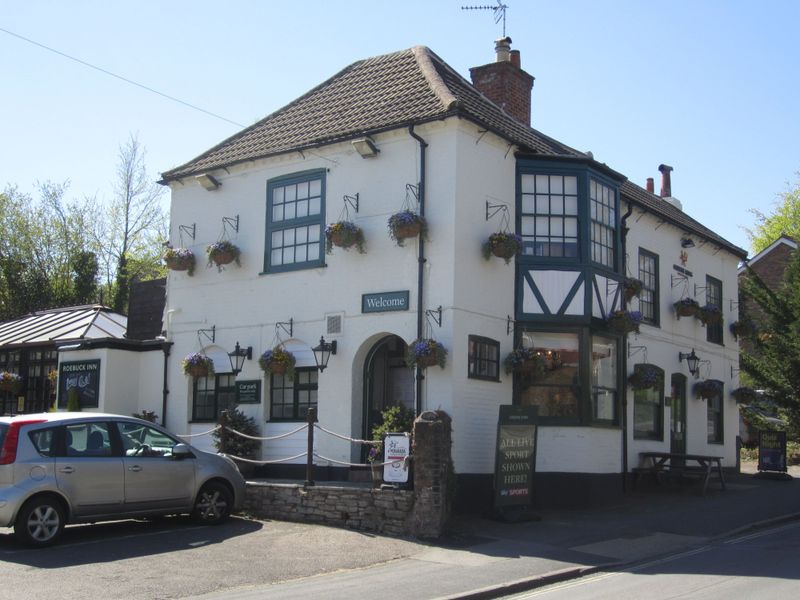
x,y
3,431
42,440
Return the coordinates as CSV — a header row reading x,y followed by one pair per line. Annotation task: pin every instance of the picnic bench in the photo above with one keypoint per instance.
x,y
659,463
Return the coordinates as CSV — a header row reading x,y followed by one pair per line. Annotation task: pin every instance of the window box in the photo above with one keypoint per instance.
x,y
525,361
503,245
9,382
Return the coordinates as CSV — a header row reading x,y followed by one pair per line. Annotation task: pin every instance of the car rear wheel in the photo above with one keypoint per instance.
x,y
40,521
213,504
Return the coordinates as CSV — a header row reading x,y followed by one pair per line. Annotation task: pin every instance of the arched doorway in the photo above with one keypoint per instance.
x,y
387,381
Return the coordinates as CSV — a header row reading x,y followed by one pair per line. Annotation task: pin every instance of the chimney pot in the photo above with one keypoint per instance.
x,y
651,186
515,59
502,47
505,83
666,181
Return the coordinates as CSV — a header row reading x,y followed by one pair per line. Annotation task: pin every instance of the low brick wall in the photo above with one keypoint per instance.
x,y
386,511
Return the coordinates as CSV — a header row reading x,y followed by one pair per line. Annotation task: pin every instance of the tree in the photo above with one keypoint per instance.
x,y
774,362
785,220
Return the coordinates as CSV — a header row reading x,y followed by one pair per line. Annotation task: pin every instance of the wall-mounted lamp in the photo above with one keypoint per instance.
x,y
322,353
208,181
692,361
687,242
365,147
238,356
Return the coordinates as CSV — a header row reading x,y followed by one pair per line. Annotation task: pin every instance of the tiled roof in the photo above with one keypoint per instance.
x,y
369,96
672,214
63,325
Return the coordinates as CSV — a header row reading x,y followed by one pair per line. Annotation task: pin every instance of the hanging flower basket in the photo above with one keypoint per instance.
x,y
686,307
502,244
344,234
423,353
743,328
223,253
9,382
406,224
179,259
744,395
631,287
708,388
646,376
710,314
624,321
197,365
524,361
278,362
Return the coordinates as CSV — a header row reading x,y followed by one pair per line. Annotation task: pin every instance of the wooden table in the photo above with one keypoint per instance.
x,y
660,462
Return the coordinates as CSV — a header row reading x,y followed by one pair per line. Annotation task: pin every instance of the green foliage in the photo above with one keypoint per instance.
x,y
396,419
73,400
230,443
785,220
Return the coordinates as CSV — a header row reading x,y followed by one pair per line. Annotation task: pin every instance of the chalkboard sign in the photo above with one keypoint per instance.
x,y
83,378
515,456
248,392
772,451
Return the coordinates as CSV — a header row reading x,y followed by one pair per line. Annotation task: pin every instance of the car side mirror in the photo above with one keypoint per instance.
x,y
182,451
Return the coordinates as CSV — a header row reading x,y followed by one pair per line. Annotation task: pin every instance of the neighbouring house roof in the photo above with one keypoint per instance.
x,y
784,240
60,325
376,94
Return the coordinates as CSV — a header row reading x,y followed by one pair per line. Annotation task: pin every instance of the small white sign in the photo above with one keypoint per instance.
x,y
397,448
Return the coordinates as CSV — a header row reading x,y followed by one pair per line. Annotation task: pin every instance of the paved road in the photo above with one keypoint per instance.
x,y
758,565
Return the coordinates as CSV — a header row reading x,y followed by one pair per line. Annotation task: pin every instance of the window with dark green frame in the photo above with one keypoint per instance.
x,y
648,297
295,222
290,400
211,395
714,298
603,215
715,415
483,358
648,412
549,215
604,380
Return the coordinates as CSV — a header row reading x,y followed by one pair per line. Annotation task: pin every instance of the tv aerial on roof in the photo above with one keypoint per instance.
x,y
499,12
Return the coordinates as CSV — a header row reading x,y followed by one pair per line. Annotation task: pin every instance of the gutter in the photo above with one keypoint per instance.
x,y
166,347
421,263
624,362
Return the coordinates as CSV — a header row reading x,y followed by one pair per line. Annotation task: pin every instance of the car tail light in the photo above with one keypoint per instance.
x,y
8,453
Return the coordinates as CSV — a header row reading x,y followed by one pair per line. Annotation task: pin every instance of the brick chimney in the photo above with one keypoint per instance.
x,y
505,83
651,186
666,181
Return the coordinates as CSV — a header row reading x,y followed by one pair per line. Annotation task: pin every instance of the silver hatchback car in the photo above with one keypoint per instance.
x,y
59,468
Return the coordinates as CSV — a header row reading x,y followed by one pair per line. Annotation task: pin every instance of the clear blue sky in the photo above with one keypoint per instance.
x,y
707,86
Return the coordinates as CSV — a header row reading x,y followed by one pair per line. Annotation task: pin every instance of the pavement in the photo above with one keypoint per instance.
x,y
483,558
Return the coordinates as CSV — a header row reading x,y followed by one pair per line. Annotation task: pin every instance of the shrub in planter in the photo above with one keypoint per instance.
x,y
686,307
624,321
226,441
344,234
424,353
9,382
278,361
406,224
502,244
646,376
631,287
708,388
223,253
525,361
744,395
710,314
179,259
197,364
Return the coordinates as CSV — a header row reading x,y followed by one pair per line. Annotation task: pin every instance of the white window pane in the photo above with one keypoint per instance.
x,y
593,189
313,251
288,237
302,208
302,190
291,193
314,206
276,257
290,214
301,235
528,204
542,204
542,184
571,185
593,210
527,183
301,253
557,205
277,196
315,187
556,228
277,239
277,213
556,184
571,205
288,256
542,225
571,227
313,233
527,225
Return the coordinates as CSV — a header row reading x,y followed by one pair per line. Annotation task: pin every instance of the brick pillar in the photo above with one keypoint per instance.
x,y
433,466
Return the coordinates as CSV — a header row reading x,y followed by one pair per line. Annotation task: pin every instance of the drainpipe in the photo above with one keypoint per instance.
x,y
421,262
623,243
165,389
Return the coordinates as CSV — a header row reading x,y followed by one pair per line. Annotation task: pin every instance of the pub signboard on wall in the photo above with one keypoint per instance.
x,y
81,377
248,392
384,302
515,458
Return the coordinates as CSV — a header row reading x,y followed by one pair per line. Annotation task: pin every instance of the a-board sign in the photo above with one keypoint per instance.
x,y
772,451
248,392
396,448
82,379
515,456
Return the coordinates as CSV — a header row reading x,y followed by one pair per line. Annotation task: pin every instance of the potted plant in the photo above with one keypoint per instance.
x,y
744,395
278,362
426,352
344,234
227,439
223,253
645,377
708,388
743,328
631,287
686,307
524,361
197,364
9,382
624,321
502,244
179,259
710,314
395,419
406,224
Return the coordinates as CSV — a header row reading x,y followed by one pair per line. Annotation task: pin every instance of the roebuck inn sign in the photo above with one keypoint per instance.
x,y
384,302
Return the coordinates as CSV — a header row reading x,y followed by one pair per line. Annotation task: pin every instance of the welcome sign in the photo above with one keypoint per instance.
x,y
384,302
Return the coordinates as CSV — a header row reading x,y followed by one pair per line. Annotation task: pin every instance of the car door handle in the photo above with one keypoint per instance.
x,y
67,469
135,468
